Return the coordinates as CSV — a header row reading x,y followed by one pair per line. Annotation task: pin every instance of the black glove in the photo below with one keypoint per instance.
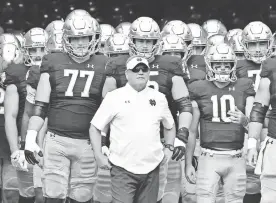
x,y
178,153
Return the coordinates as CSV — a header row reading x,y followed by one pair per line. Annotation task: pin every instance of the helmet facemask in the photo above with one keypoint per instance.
x,y
221,64
138,47
87,47
257,51
34,55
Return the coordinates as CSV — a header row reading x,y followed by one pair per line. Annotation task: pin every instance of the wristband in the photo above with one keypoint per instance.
x,y
22,145
169,146
31,136
178,143
252,143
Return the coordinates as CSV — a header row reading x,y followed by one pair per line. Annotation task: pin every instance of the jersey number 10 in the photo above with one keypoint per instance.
x,y
223,109
75,74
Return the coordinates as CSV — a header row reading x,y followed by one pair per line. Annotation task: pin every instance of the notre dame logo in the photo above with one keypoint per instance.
x,y
152,102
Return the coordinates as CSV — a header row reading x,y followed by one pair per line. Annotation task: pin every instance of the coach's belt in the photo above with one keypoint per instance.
x,y
230,152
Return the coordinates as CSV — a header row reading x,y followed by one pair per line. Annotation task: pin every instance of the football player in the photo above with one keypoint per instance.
x,y
123,28
265,166
106,31
36,42
69,94
213,27
174,45
224,102
116,45
15,80
257,41
9,45
166,76
195,62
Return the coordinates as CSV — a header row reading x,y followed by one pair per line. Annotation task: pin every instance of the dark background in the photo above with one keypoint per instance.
x,y
22,15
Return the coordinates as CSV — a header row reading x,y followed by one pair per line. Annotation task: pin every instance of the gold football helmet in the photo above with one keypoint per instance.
x,y
55,32
144,29
123,28
179,28
213,27
10,50
79,24
257,40
199,41
173,44
221,63
236,44
116,44
106,32
34,46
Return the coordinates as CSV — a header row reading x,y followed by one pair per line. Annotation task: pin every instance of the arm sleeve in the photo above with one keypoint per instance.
x,y
167,118
105,113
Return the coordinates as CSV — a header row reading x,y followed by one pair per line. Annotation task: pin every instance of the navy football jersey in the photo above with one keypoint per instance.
x,y
76,93
216,129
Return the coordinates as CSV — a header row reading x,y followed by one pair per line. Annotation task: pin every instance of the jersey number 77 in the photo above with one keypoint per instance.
x,y
75,74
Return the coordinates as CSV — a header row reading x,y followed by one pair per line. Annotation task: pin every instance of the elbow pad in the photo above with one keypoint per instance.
x,y
184,105
258,113
41,109
183,135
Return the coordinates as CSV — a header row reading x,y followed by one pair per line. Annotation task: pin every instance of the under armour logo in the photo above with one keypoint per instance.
x,y
155,66
194,66
127,102
152,102
90,66
231,88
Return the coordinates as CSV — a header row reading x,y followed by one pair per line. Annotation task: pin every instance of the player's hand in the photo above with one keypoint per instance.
x,y
102,162
190,173
105,151
178,153
18,160
237,116
31,148
252,156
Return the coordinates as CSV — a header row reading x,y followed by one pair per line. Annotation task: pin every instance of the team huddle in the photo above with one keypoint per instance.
x,y
219,86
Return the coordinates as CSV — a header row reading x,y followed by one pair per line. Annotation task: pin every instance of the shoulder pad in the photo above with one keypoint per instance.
x,y
246,85
33,76
116,65
171,63
14,74
52,58
196,88
268,67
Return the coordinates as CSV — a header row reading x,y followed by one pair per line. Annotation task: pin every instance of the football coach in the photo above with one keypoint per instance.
x,y
134,113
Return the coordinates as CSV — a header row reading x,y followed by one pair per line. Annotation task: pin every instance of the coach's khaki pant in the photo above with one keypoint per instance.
x,y
68,162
